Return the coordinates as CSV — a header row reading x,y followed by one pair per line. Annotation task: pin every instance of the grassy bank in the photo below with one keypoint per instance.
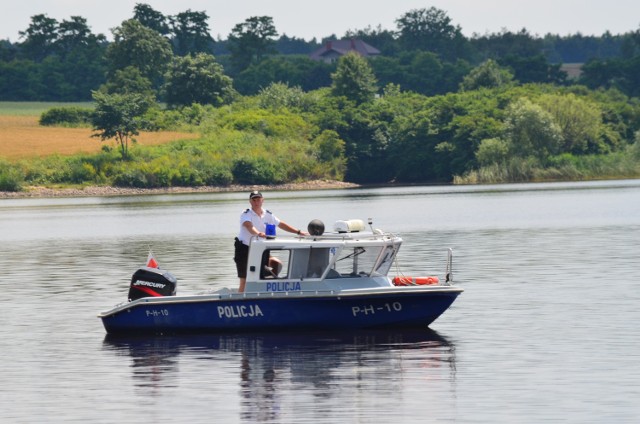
x,y
396,138
618,165
231,147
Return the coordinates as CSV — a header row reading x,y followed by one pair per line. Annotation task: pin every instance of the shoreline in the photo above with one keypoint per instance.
x,y
105,191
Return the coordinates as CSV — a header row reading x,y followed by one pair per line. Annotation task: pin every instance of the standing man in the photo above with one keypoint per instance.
x,y
253,223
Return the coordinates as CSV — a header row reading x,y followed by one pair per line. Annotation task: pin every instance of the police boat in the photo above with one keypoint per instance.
x,y
326,280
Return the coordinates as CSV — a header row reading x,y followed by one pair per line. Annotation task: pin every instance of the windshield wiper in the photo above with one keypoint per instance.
x,y
357,251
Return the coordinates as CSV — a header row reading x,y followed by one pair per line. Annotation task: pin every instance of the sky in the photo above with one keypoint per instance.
x,y
322,18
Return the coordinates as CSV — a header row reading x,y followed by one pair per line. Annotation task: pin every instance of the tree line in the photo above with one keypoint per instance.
x,y
427,113
426,53
490,130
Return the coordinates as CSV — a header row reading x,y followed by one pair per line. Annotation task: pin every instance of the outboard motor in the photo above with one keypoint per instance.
x,y
147,282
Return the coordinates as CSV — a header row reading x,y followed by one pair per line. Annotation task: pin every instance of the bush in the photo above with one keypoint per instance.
x,y
492,151
214,174
165,171
256,171
67,116
131,177
11,178
83,172
52,169
271,124
280,96
634,149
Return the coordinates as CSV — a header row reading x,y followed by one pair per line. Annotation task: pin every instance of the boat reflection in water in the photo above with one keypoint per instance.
x,y
276,366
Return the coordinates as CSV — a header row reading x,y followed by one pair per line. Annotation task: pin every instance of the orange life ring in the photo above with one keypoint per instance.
x,y
414,281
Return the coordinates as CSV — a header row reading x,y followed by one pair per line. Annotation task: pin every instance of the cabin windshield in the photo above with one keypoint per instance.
x,y
361,261
386,259
327,262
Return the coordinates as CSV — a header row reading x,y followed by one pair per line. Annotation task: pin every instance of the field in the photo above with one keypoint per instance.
x,y
22,137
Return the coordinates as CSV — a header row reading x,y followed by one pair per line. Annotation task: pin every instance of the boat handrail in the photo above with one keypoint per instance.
x,y
449,270
365,235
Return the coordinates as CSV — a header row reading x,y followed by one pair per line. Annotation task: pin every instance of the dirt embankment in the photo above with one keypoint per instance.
x,y
95,191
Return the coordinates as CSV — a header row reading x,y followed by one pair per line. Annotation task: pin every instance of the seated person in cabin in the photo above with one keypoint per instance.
x,y
271,266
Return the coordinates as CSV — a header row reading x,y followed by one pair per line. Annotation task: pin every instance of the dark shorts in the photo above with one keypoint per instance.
x,y
241,257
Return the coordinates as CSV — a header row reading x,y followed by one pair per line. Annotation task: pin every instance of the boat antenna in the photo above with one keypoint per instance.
x,y
370,221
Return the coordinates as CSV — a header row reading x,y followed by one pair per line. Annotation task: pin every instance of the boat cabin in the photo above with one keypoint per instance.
x,y
332,261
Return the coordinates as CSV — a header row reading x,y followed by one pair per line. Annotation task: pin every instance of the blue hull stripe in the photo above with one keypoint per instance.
x,y
330,312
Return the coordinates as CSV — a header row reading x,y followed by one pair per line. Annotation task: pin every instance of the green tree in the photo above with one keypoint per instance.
x,y
191,33
421,72
363,131
129,80
151,18
119,116
74,35
487,75
138,46
329,148
292,45
506,43
579,120
431,30
249,42
354,79
81,59
8,51
492,151
39,38
621,74
531,131
68,57
435,138
527,69
20,81
280,96
290,69
197,79
603,73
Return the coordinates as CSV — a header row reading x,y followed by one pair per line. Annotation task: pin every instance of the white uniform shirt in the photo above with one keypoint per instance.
x,y
260,222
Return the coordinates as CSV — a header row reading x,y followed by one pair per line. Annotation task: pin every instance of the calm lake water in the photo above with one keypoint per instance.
x,y
546,330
